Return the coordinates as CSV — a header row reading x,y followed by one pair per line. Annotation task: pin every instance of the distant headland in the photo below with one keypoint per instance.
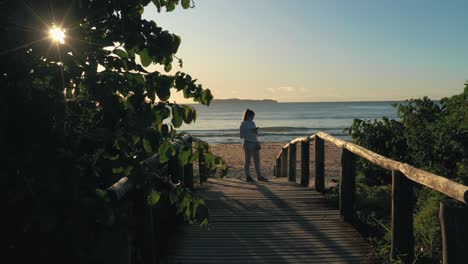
x,y
237,100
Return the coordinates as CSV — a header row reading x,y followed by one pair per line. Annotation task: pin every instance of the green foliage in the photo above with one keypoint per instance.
x,y
429,135
79,116
427,227
147,146
373,202
153,197
184,155
166,151
211,161
370,134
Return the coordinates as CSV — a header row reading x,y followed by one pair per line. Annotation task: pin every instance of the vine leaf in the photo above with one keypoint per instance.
x,y
188,114
128,170
163,86
184,155
118,170
121,53
147,146
185,4
145,58
102,194
170,6
177,115
153,197
194,156
165,151
114,157
173,196
135,139
184,204
168,67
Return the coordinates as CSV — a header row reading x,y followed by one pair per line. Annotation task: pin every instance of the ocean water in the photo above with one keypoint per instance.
x,y
282,122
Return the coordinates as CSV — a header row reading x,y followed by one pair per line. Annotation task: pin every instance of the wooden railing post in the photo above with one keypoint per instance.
x,y
292,162
201,166
278,167
453,217
188,169
305,157
284,161
402,218
319,165
150,236
347,185
144,229
176,169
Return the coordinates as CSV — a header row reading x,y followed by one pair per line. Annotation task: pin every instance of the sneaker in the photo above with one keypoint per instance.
x,y
249,179
262,179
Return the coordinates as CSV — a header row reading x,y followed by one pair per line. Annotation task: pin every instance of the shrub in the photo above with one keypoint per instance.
x,y
78,116
429,135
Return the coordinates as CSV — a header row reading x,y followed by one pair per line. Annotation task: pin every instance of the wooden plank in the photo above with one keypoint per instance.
x,y
292,162
278,167
319,165
271,261
303,258
305,159
233,251
347,185
266,223
176,170
284,162
349,238
296,255
247,232
402,245
453,218
257,259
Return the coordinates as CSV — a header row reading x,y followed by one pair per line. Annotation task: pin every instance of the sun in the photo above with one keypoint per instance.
x,y
57,34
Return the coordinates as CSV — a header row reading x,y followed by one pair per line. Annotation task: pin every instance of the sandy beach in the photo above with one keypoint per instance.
x,y
234,156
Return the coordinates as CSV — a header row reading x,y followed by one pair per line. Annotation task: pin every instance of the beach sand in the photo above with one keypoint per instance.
x,y
234,156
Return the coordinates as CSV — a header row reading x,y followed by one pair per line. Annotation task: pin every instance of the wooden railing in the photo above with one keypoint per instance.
x,y
143,237
453,213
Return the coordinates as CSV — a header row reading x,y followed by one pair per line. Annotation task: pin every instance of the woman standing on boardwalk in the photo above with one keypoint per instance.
x,y
249,131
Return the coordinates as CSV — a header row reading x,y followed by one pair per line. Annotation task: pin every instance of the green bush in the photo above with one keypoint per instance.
x,y
426,226
77,116
429,135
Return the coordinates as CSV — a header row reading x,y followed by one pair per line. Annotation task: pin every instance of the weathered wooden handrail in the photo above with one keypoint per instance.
x,y
403,178
120,188
438,183
145,234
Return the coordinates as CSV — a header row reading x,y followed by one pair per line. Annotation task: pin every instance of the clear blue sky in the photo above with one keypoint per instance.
x,y
308,50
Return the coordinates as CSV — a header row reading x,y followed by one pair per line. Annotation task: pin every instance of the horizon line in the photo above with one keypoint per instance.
x,y
347,101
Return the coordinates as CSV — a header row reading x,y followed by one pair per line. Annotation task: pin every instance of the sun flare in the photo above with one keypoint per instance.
x,y
57,34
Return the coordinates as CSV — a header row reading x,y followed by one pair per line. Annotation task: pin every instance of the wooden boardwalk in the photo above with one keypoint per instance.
x,y
273,222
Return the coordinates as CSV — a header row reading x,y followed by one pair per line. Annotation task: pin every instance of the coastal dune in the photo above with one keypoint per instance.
x,y
234,156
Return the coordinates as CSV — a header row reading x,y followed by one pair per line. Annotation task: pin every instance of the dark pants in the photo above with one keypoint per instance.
x,y
251,150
